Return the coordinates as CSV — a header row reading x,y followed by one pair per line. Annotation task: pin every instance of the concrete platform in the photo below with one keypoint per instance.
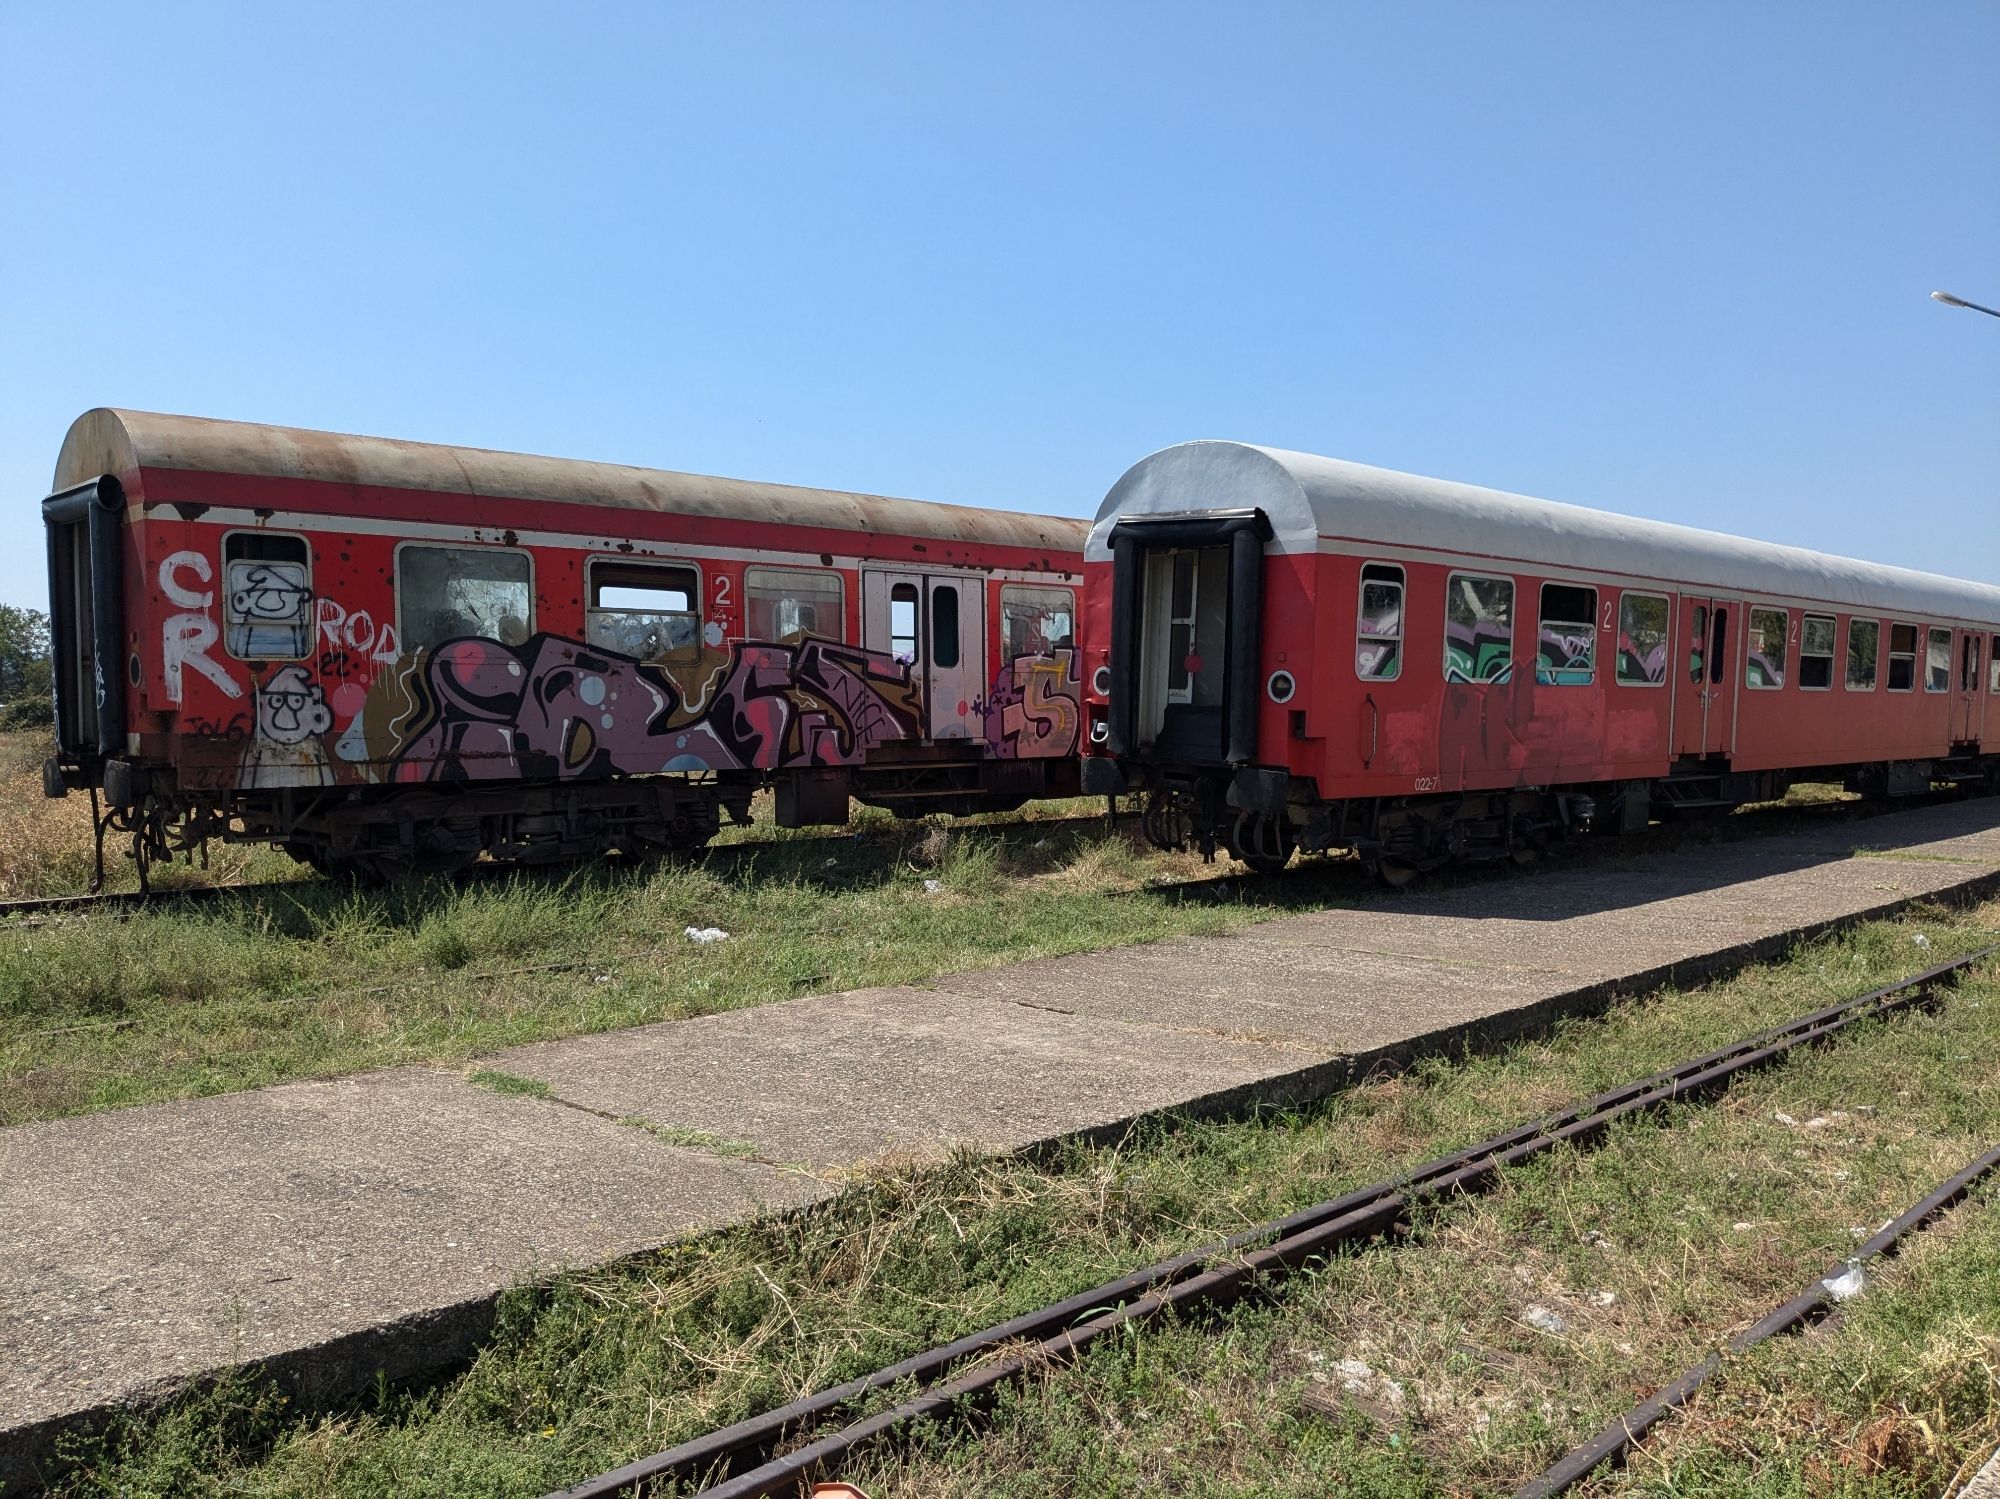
x,y
325,1230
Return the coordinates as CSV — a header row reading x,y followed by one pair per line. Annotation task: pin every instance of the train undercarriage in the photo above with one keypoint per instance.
x,y
391,832
1262,818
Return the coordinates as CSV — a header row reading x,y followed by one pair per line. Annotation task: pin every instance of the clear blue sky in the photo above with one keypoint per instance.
x,y
1671,260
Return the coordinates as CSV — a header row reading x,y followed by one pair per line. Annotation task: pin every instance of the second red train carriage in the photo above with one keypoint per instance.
x,y
1288,650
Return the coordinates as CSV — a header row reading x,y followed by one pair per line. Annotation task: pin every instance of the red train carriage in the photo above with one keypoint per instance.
x,y
1290,651
392,656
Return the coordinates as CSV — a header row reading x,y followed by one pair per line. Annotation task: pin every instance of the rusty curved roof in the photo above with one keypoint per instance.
x,y
112,441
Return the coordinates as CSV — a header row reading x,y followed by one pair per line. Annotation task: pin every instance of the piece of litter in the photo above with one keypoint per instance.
x,y
603,978
706,934
1604,1298
932,887
1783,1118
1921,940
1848,1284
1595,1239
1544,1320
1818,1122
1743,1228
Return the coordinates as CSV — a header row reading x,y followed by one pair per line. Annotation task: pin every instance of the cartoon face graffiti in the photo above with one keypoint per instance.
x,y
291,708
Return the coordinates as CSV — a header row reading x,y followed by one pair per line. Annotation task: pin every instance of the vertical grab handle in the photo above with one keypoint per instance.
x,y
1374,732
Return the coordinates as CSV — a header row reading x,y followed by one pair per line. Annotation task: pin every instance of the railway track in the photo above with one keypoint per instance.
x,y
738,1461
1813,1304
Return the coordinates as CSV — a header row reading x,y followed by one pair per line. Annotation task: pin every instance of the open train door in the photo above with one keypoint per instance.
x,y
938,625
1705,685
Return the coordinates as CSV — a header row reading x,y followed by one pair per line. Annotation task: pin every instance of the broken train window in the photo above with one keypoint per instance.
x,y
650,611
786,604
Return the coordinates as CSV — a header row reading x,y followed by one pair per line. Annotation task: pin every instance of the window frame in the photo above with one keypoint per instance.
x,y
916,658
1875,675
1751,611
1542,619
1666,640
1915,654
1182,695
396,581
839,578
1993,664
1018,587
940,589
312,599
1513,597
625,559
1931,633
1402,585
1831,655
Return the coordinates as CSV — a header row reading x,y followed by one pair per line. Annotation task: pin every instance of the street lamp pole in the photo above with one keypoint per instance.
x,y
1950,301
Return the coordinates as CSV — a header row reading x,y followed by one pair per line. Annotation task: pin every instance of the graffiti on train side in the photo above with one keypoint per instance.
x,y
1036,707
286,750
475,709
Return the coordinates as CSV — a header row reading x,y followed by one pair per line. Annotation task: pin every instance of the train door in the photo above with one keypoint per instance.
x,y
938,625
1184,661
1965,727
1705,685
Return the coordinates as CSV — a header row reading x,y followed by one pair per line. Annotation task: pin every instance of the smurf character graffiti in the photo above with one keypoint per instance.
x,y
286,749
268,610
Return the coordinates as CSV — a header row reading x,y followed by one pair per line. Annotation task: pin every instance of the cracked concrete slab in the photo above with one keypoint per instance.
x,y
332,1227
840,1081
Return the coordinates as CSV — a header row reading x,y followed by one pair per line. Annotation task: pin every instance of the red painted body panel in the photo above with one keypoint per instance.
x,y
377,713
1419,733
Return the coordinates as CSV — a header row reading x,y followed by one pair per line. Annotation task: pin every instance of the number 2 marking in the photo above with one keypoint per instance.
x,y
721,591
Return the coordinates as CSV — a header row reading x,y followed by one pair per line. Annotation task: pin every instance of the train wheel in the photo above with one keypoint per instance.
x,y
1393,872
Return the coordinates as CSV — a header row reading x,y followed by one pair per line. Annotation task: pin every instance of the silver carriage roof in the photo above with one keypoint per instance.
x,y
1307,498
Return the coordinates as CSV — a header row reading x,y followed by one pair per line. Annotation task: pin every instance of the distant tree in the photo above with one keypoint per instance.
x,y
27,676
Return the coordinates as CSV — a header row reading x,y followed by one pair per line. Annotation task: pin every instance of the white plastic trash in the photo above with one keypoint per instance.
x,y
706,934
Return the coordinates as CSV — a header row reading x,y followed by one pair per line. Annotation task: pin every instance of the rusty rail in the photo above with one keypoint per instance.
x,y
960,1375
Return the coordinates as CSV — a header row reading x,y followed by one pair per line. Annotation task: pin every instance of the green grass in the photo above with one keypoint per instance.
x,y
320,979
592,1369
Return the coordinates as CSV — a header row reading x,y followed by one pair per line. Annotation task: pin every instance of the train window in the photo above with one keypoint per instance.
x,y
1718,648
1478,628
1864,639
1993,664
1816,635
1937,662
944,624
1642,641
785,604
650,611
1566,653
1378,632
1764,666
1968,663
1036,621
1696,637
1180,626
267,595
903,621
1902,658
443,593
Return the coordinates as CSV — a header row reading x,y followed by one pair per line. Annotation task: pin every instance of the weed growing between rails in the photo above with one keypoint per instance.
x,y
598,1368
